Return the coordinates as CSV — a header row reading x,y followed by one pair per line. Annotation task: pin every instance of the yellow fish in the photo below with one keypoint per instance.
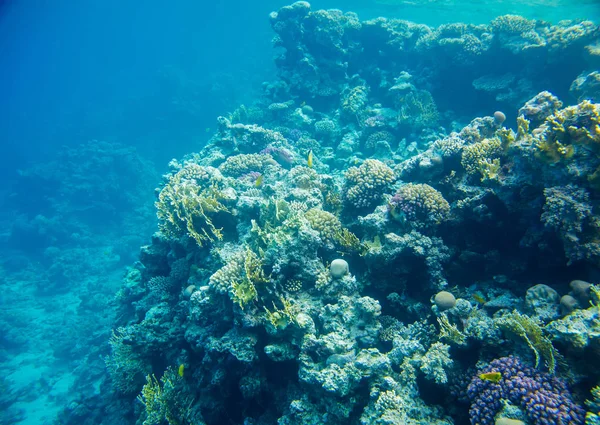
x,y
479,298
181,369
310,159
258,182
494,377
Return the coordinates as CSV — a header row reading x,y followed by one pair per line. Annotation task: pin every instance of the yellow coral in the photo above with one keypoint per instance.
x,y
187,204
239,277
163,400
570,127
529,329
483,158
281,318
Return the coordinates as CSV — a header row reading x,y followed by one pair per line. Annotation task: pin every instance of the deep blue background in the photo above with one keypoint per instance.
x,y
156,74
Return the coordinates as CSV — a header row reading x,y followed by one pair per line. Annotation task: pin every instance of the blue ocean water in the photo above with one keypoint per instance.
x,y
211,286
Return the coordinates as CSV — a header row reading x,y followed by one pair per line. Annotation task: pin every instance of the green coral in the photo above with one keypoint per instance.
x,y
188,203
349,242
239,277
449,332
163,400
280,318
592,417
125,366
530,330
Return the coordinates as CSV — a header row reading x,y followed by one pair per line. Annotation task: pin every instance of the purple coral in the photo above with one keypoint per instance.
x,y
545,398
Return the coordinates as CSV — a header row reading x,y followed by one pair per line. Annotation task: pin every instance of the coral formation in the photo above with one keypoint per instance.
x,y
544,398
343,248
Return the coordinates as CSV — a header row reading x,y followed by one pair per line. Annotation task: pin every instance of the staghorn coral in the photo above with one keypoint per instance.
x,y
364,186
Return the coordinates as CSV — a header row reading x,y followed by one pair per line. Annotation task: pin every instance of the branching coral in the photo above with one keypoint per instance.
x,y
530,331
188,203
544,397
239,277
364,186
164,400
419,205
125,366
238,165
483,158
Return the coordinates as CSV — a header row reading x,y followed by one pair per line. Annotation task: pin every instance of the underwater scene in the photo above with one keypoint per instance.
x,y
282,213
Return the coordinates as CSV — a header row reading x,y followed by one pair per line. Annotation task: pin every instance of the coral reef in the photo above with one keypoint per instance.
x,y
344,248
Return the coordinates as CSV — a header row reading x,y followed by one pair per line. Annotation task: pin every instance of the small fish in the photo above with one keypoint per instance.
x,y
494,377
479,298
181,369
259,181
207,129
309,161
